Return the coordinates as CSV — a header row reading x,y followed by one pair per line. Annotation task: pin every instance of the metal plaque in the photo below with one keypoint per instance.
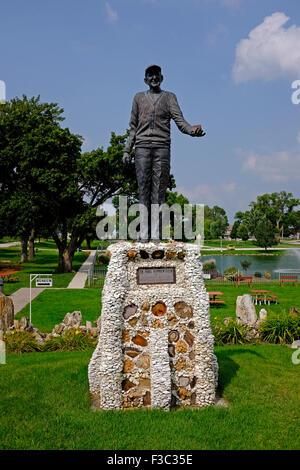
x,y
156,276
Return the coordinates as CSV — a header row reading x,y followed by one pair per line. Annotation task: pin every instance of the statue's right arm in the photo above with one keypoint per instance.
x,y
133,126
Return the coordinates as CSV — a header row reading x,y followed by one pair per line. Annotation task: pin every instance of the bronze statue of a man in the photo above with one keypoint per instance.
x,y
151,114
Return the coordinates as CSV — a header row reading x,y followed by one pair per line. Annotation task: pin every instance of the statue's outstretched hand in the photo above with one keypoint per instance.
x,y
126,158
197,131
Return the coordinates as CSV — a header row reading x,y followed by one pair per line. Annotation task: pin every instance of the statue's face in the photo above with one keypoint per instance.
x,y
153,79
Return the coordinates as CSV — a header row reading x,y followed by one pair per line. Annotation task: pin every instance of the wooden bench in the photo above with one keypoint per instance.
x,y
217,302
288,279
243,280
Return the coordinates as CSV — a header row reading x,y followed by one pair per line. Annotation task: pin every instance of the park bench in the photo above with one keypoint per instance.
x,y
288,279
243,280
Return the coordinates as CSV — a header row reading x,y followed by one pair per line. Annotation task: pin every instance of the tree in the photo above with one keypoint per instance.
x,y
233,233
245,264
37,166
242,232
265,234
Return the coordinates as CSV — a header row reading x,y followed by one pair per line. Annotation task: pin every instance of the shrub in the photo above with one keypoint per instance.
x,y
267,275
18,342
231,333
280,328
209,265
230,273
103,259
70,340
257,274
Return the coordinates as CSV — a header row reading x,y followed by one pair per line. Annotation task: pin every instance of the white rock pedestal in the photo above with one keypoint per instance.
x,y
155,347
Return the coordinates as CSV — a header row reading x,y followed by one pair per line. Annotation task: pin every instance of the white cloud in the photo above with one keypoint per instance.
x,y
2,91
201,194
112,15
271,51
277,167
226,3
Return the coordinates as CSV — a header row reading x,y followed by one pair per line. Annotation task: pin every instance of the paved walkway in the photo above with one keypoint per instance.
x,y
21,297
79,280
7,245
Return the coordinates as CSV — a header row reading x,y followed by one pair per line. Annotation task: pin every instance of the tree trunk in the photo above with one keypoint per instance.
x,y
88,243
31,245
65,261
24,242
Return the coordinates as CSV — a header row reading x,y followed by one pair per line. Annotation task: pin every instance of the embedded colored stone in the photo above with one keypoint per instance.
x,y
172,320
192,355
184,393
144,320
132,352
131,254
128,365
181,347
193,398
170,254
171,350
140,340
144,383
144,333
158,254
191,325
144,254
173,336
147,399
126,402
108,253
193,382
127,385
133,321
184,381
180,364
159,309
129,311
183,310
143,362
189,338
181,255
125,336
157,324
146,306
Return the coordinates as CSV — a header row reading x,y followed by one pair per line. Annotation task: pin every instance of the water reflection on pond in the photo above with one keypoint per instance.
x,y
259,263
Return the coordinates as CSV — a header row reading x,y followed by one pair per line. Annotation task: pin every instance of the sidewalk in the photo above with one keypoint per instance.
x,y
21,297
79,280
7,245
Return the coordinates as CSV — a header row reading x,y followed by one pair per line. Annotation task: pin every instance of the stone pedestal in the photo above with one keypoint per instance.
x,y
155,347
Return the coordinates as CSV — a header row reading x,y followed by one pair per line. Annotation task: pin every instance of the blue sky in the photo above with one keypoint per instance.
x,y
231,64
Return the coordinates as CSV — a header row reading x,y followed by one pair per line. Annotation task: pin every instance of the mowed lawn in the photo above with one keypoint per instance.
x,y
50,307
288,296
45,404
45,262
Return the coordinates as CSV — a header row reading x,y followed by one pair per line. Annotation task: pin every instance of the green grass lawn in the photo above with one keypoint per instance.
x,y
44,263
50,307
288,296
45,405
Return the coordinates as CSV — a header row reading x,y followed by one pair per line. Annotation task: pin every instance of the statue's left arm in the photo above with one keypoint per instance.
x,y
182,124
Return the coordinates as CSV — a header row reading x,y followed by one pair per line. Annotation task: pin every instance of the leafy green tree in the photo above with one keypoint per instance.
x,y
242,232
37,167
245,264
233,233
265,234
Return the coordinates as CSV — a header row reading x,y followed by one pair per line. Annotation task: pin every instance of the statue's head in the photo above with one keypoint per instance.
x,y
153,77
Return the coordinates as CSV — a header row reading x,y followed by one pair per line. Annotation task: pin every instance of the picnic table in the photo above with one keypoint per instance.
x,y
214,298
263,296
7,273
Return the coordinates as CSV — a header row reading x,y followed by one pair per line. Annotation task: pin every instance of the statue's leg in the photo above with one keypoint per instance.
x,y
143,167
160,181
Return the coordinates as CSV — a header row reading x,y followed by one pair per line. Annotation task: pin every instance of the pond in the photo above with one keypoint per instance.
x,y
289,260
